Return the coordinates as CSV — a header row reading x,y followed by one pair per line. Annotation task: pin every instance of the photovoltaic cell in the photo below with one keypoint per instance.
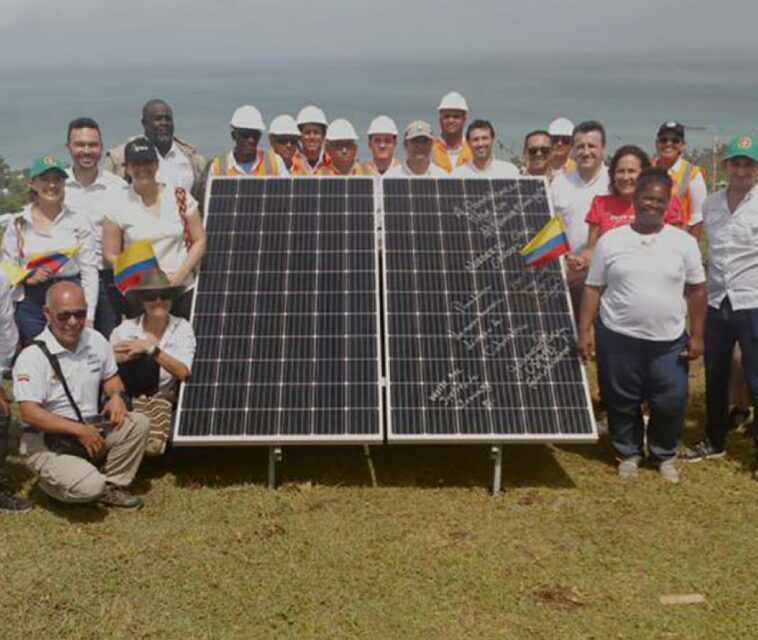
x,y
286,315
480,347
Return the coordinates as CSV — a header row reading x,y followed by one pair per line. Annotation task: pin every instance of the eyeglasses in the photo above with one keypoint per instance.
x,y
565,140
247,133
287,141
539,151
670,140
65,316
156,295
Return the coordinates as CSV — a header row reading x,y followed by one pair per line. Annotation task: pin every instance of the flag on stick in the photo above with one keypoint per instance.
x,y
131,265
53,260
550,243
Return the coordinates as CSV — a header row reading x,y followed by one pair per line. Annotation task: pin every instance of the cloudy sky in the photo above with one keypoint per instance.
x,y
100,33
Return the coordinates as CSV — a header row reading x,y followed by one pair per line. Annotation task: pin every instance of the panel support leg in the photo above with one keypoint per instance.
x,y
274,456
497,470
370,463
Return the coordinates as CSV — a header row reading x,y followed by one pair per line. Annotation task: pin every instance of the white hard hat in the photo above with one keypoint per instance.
x,y
248,117
453,100
284,125
561,127
311,115
341,129
384,125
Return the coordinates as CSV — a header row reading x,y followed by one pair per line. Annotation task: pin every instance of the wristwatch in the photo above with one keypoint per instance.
x,y
155,351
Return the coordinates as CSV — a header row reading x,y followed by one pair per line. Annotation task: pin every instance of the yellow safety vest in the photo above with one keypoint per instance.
x,y
331,170
265,166
441,158
371,169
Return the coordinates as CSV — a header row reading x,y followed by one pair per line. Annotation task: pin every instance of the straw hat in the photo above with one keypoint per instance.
x,y
153,280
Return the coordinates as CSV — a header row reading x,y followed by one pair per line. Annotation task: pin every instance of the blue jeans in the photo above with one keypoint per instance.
x,y
111,305
724,327
29,316
633,371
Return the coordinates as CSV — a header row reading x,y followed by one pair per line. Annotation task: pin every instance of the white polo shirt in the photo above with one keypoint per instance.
x,y
84,369
494,170
8,330
403,171
69,229
572,198
178,341
644,276
733,243
165,231
93,201
175,168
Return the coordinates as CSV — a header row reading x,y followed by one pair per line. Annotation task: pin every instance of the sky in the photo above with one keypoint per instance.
x,y
103,33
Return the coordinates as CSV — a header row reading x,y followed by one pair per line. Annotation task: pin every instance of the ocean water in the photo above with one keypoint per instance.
x,y
716,94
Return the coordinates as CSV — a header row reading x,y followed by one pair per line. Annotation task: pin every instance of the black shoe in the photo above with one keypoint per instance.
x,y
11,503
119,498
702,450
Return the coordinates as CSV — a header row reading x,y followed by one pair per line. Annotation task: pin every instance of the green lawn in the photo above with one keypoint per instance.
x,y
568,550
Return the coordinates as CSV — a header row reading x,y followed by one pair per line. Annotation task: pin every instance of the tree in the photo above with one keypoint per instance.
x,y
13,188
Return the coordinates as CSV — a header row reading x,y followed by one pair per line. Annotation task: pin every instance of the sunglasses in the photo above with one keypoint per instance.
x,y
158,295
247,133
539,151
287,141
670,140
561,139
65,316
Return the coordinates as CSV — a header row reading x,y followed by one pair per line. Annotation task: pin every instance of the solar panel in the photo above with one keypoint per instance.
x,y
286,315
480,347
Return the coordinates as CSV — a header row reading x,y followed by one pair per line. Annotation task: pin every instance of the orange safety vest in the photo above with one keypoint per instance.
x,y
682,178
442,159
371,169
300,166
331,170
265,166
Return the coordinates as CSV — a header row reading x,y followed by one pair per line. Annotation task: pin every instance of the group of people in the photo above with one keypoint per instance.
x,y
634,271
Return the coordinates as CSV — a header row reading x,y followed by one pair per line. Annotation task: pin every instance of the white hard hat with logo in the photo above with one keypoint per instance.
x,y
382,125
453,100
284,125
248,117
311,115
341,129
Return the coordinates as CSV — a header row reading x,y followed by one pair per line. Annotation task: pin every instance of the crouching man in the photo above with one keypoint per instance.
x,y
78,455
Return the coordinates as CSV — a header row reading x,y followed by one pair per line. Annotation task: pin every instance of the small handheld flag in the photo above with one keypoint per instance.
x,y
53,260
549,243
15,273
130,265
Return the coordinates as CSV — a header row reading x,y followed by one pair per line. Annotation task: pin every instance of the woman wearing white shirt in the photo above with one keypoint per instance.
x,y
47,226
644,278
155,350
157,212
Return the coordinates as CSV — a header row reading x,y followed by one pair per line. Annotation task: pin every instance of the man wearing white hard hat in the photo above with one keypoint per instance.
x,y
450,150
382,140
312,124
342,149
284,138
480,136
561,132
417,141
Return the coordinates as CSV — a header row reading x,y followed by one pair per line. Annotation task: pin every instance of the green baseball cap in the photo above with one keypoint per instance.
x,y
47,163
742,145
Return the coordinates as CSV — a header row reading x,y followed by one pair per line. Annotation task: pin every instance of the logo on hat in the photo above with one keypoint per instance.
x,y
48,160
745,142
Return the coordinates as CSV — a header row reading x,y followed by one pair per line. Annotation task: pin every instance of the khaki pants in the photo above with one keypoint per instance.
x,y
73,479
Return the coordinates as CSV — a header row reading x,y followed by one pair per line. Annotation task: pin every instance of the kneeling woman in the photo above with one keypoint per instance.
x,y
154,352
642,277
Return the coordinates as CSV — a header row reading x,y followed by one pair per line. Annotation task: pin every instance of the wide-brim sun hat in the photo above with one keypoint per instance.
x,y
153,281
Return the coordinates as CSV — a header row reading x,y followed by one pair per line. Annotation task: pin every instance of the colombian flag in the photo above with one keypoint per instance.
x,y
53,260
550,243
131,264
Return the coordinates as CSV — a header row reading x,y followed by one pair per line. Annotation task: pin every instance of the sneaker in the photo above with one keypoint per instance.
x,y
668,471
629,467
11,503
119,498
702,450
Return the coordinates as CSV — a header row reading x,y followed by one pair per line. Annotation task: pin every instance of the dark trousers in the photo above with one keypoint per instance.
x,y
29,316
724,327
633,371
5,421
111,305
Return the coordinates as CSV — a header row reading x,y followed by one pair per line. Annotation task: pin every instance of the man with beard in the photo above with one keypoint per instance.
x,y
537,149
481,137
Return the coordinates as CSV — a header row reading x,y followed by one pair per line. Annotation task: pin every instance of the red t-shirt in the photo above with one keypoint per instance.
x,y
611,211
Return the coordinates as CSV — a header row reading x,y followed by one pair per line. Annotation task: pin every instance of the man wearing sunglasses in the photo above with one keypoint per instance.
x,y
284,138
103,449
561,132
689,179
537,150
480,137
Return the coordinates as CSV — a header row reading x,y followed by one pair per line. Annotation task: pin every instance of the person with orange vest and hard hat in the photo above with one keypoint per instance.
x,y
382,140
312,124
342,149
284,138
450,150
561,132
689,179
417,140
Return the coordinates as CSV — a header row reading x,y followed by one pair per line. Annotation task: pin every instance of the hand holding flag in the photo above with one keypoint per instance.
x,y
549,243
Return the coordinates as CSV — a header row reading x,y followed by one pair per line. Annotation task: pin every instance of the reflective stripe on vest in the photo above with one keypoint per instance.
x,y
682,179
266,165
331,170
442,160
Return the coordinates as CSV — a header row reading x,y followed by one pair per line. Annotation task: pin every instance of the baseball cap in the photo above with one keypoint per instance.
x,y
742,145
673,126
47,163
418,129
140,151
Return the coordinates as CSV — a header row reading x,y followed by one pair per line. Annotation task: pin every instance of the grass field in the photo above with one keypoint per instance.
x,y
568,550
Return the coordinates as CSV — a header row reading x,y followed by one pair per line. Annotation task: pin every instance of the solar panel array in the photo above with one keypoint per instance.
x,y
300,319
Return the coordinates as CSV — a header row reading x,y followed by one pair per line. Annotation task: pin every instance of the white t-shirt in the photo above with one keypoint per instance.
x,y
644,277
572,198
84,370
494,170
403,171
175,168
178,341
165,232
93,201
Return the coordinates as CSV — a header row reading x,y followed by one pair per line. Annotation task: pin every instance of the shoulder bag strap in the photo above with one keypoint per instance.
x,y
59,372
181,203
